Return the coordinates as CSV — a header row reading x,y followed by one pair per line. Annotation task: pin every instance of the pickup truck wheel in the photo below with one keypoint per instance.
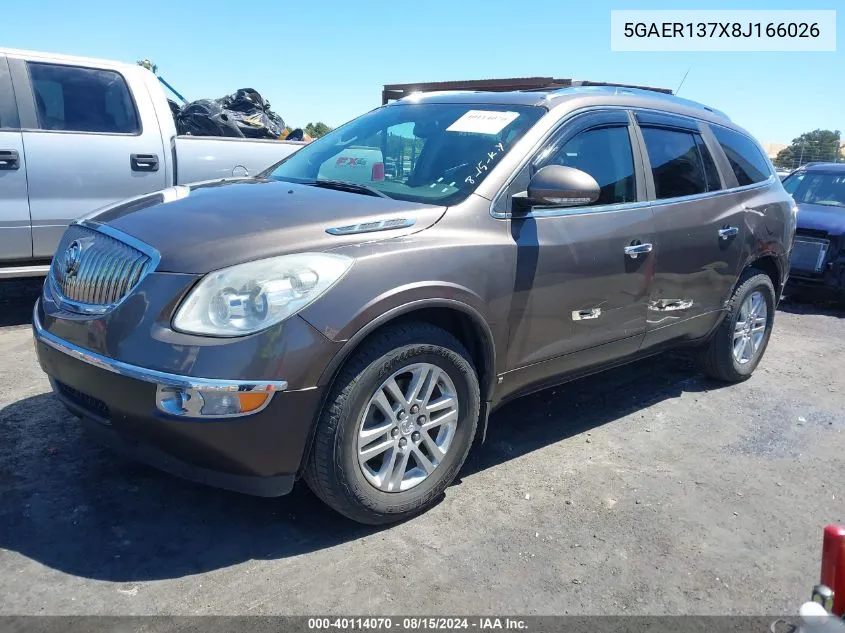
x,y
736,348
397,425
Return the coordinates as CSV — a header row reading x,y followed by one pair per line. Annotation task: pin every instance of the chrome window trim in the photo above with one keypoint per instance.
x,y
143,374
566,211
98,310
546,212
543,212
713,194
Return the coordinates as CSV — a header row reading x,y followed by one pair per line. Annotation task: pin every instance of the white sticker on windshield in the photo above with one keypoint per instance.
x,y
483,122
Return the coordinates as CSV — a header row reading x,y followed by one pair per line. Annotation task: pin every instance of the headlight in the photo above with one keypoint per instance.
x,y
250,297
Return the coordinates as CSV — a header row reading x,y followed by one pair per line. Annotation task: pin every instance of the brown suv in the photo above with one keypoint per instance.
x,y
357,330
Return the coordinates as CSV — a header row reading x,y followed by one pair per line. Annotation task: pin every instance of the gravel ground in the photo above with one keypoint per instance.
x,y
646,490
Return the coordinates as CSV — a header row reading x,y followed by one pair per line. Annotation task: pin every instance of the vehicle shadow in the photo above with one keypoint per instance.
x,y
78,508
555,414
827,308
17,296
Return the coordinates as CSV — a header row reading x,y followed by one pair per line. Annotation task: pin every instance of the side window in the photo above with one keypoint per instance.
x,y
77,99
747,161
678,165
8,107
604,153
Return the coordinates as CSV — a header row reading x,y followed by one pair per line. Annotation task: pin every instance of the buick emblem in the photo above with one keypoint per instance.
x,y
73,255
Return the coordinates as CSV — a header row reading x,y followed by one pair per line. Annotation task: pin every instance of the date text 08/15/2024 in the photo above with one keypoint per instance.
x,y
416,623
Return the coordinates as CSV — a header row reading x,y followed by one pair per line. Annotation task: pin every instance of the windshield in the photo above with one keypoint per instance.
x,y
432,153
812,187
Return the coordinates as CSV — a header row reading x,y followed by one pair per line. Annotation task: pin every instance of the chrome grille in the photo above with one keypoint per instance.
x,y
808,254
92,271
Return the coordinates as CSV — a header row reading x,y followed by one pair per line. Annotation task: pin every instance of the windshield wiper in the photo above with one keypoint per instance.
x,y
342,185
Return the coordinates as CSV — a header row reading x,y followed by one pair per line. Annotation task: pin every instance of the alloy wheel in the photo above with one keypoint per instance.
x,y
750,327
407,427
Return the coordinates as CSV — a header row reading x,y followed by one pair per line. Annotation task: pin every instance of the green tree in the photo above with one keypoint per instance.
x,y
818,145
318,129
146,63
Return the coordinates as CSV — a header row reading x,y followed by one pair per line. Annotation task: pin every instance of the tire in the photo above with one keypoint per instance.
x,y
718,359
334,471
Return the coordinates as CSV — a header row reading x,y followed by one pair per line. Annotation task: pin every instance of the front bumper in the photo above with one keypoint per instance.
x,y
830,283
257,454
827,278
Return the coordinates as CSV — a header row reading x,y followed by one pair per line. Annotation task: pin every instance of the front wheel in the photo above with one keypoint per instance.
x,y
741,339
397,425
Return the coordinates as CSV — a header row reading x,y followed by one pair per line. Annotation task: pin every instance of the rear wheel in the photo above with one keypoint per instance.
x,y
397,425
738,345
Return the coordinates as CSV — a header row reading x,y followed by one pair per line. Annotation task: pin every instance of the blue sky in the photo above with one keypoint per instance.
x,y
328,60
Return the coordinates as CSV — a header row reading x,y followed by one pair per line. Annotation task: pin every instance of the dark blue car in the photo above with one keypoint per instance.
x,y
818,254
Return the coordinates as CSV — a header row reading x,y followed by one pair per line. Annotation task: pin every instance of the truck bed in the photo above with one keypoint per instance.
x,y
206,157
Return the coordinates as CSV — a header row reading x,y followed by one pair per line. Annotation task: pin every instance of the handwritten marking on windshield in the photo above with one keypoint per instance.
x,y
481,166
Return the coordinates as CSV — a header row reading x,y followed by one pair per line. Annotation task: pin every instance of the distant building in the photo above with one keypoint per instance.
x,y
772,149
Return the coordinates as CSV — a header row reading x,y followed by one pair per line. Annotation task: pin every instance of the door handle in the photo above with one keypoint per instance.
x,y
637,248
582,315
728,231
9,159
143,162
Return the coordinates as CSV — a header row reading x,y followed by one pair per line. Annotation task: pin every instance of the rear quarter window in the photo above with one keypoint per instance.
x,y
74,99
747,161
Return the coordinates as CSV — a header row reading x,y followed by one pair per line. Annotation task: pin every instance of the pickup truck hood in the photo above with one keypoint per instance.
x,y
822,217
207,226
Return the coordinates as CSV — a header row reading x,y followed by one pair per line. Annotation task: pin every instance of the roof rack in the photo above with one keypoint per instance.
x,y
525,84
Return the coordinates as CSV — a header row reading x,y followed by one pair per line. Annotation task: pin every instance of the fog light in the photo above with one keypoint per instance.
x,y
198,403
220,403
231,402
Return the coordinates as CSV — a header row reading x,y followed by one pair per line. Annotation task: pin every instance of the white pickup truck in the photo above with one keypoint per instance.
x,y
77,134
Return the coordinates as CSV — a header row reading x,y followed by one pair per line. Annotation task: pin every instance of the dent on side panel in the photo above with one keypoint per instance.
x,y
769,223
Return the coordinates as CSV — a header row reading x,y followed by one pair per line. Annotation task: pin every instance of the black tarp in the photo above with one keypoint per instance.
x,y
242,114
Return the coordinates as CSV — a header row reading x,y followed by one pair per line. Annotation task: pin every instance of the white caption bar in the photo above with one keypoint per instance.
x,y
723,30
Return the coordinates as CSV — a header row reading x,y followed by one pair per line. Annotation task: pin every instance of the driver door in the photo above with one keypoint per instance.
x,y
579,299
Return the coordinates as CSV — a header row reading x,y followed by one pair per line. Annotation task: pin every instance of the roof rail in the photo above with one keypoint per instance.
x,y
610,84
391,92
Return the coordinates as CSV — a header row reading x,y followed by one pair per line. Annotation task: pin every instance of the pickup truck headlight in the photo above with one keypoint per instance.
x,y
253,296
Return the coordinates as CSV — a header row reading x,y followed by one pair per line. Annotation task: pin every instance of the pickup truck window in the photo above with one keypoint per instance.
x,y
680,163
431,153
75,99
8,108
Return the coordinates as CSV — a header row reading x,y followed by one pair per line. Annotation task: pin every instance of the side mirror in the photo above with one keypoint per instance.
x,y
555,185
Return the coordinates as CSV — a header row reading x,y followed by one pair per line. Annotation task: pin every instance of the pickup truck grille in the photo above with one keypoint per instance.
x,y
808,254
92,271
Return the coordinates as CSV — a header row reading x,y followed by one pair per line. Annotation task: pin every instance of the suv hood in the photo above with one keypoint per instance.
x,y
822,217
211,225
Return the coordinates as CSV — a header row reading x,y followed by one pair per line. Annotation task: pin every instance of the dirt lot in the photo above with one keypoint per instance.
x,y
646,490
